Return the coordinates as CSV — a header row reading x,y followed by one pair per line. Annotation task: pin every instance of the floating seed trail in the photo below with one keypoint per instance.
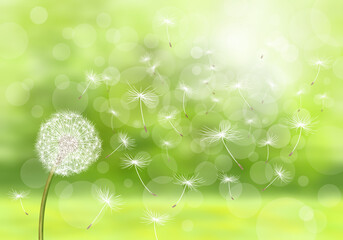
x,y
227,149
139,176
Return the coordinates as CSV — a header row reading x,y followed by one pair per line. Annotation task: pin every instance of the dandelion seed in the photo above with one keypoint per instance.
x,y
299,93
270,87
138,162
166,144
249,122
91,78
155,218
215,102
168,117
191,183
147,97
186,91
125,142
320,63
15,195
108,200
225,132
239,86
67,144
304,123
229,180
206,82
113,113
280,174
168,22
270,140
323,98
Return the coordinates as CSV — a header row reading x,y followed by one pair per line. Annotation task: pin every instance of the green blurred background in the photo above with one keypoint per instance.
x,y
47,47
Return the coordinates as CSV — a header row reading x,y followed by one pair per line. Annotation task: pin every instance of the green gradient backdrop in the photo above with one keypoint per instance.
x,y
289,35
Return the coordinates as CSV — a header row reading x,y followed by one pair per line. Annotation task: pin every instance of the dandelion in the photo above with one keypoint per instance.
x,y
168,22
300,122
280,174
239,86
224,133
249,121
113,113
191,183
323,98
186,91
299,93
166,144
319,63
206,82
108,200
125,142
138,162
168,117
225,179
147,97
15,195
270,87
67,144
270,140
215,102
155,218
91,78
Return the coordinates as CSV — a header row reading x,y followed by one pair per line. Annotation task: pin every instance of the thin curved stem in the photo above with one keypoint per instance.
x,y
112,127
267,153
175,128
89,226
139,176
230,191
43,203
183,104
227,149
296,143
85,90
167,30
316,75
183,192
140,105
155,231
264,189
299,103
167,152
239,91
114,150
22,206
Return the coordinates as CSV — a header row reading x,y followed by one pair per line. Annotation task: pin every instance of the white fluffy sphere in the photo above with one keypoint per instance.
x,y
68,143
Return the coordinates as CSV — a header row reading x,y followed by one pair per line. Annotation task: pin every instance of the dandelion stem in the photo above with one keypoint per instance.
x,y
139,176
239,91
89,226
167,30
140,105
230,191
299,103
264,189
167,152
84,90
183,104
22,206
267,153
227,149
114,150
175,128
296,143
316,75
155,230
43,203
112,122
183,192
211,108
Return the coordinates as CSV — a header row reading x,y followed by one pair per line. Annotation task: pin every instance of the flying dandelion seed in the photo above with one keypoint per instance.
x,y
168,117
155,218
320,63
107,80
67,144
191,183
225,179
166,144
215,102
168,22
212,68
92,79
323,98
125,142
109,201
113,113
186,91
270,140
270,87
299,93
304,123
15,195
206,82
147,97
239,86
138,162
225,132
249,122
280,174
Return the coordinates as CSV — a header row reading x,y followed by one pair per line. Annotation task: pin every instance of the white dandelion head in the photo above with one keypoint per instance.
x,y
93,78
168,21
68,143
166,143
109,199
125,140
270,140
113,112
154,217
191,182
145,58
320,62
147,96
185,88
167,115
282,174
152,69
16,195
225,132
224,178
139,161
323,96
303,121
249,121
